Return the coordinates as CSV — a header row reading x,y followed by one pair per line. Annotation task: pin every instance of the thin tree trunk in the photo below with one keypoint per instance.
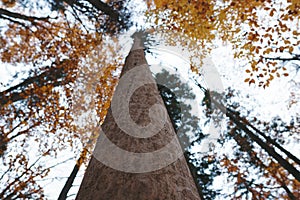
x,y
270,140
259,163
270,150
130,179
64,192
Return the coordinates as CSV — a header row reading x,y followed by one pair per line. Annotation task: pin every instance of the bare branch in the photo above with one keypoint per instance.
x,y
293,58
100,6
105,9
20,16
17,92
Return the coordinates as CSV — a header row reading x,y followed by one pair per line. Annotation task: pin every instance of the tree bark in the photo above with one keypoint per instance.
x,y
171,181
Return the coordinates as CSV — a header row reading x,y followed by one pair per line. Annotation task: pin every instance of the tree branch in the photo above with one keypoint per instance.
x,y
20,16
51,76
295,57
101,6
105,9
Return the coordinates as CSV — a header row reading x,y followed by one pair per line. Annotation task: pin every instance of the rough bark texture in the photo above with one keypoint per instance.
x,y
170,182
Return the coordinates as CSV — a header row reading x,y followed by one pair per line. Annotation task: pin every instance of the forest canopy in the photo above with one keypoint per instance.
x,y
61,60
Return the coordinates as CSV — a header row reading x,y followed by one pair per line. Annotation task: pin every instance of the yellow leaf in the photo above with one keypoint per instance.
x,y
252,48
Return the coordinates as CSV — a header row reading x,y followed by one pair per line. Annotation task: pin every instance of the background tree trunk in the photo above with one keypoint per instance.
x,y
171,181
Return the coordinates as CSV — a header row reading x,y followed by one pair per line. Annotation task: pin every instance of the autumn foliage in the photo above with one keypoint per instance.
x,y
261,32
66,56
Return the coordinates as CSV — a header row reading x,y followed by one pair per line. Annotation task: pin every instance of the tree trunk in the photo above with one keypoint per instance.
x,y
269,149
133,165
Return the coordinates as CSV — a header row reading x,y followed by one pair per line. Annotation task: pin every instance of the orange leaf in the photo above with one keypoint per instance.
x,y
252,81
281,49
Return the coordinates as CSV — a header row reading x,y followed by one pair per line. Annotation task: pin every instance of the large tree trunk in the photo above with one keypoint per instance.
x,y
143,167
